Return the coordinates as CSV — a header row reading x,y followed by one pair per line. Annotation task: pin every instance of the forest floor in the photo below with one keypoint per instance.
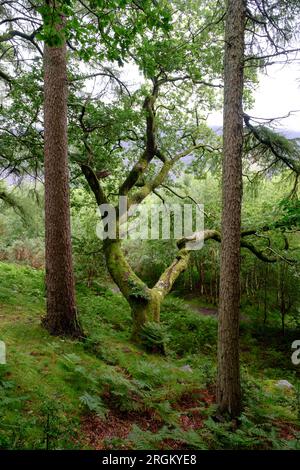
x,y
106,393
196,304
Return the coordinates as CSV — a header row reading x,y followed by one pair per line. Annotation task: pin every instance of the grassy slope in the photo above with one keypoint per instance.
x,y
107,393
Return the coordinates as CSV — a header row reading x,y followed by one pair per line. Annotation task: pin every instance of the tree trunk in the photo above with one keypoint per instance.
x,y
228,387
144,302
135,291
61,316
282,299
265,296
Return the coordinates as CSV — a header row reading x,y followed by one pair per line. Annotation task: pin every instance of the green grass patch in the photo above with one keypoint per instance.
x,y
51,387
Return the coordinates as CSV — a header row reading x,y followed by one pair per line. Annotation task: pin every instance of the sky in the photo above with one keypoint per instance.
x,y
277,94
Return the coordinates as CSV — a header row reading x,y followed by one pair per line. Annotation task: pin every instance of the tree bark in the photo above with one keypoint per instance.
x,y
135,291
61,316
228,386
144,302
265,296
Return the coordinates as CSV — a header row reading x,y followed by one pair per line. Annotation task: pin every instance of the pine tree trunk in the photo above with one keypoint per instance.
x,y
265,296
282,299
61,317
228,387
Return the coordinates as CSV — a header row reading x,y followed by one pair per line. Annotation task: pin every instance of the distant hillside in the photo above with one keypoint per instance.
x,y
289,133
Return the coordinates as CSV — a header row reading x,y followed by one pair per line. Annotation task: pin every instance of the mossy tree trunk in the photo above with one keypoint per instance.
x,y
145,303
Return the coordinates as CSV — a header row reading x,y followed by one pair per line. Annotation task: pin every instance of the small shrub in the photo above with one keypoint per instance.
x,y
189,332
94,404
154,337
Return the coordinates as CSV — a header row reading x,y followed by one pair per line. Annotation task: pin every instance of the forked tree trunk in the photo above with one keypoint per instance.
x,y
61,317
144,302
135,291
228,387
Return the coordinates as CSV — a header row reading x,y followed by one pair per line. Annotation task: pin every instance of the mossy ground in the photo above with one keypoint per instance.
x,y
105,392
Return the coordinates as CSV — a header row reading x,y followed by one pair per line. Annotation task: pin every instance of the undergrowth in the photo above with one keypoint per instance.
x,y
55,392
